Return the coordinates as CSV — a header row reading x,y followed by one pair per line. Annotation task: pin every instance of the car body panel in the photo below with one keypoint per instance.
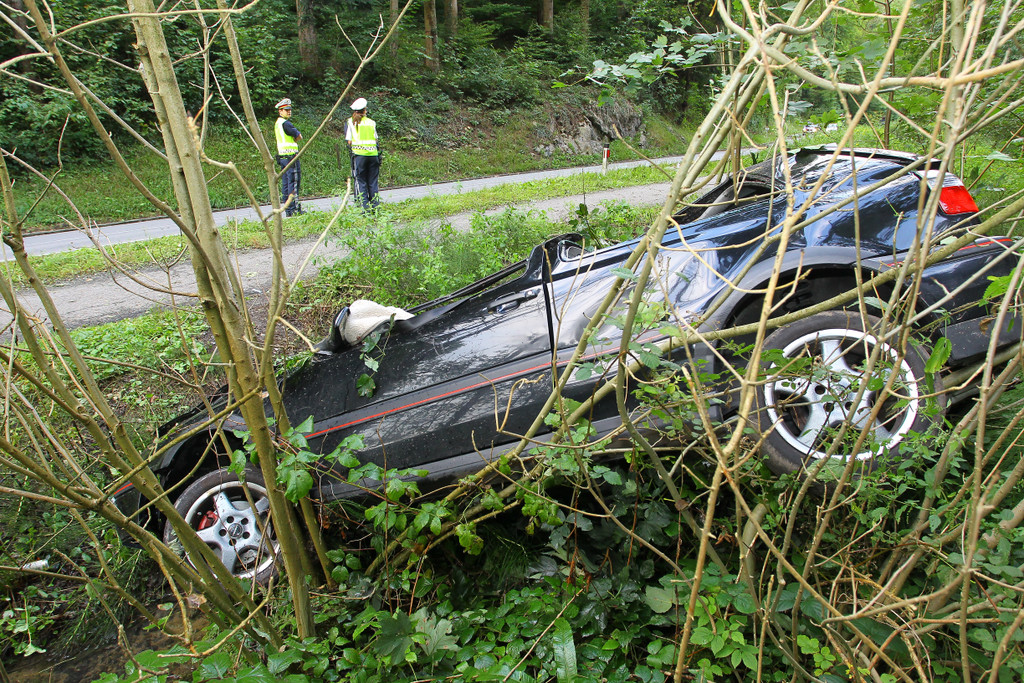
x,y
457,384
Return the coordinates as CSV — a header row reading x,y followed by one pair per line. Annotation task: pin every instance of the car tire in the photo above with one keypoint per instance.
x,y
802,406
216,506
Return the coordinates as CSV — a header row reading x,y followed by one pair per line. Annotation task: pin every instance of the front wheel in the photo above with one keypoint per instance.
x,y
825,380
233,523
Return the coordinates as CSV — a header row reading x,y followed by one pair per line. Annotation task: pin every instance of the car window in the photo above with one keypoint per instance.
x,y
725,197
569,250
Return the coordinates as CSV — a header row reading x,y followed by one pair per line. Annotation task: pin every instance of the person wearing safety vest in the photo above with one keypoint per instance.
x,y
361,135
288,137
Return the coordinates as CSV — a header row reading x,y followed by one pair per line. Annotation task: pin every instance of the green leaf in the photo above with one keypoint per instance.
x,y
881,634
997,288
278,662
999,156
238,462
624,273
660,599
787,598
875,302
940,354
394,638
745,603
365,386
565,651
650,360
216,665
348,460
438,638
305,428
298,483
259,674
584,372
612,477
701,635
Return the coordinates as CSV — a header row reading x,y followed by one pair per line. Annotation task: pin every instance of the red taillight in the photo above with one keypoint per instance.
x,y
954,199
953,196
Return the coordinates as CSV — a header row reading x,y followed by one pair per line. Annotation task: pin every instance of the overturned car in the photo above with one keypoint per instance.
x,y
461,377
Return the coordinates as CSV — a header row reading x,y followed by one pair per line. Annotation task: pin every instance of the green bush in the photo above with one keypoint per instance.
x,y
476,70
406,265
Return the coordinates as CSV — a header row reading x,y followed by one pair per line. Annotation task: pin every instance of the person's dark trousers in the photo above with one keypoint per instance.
x,y
367,173
291,181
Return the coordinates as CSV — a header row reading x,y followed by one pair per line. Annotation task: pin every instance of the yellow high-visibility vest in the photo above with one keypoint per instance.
x,y
363,137
286,144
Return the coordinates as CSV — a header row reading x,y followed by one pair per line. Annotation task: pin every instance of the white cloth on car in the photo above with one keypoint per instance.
x,y
364,316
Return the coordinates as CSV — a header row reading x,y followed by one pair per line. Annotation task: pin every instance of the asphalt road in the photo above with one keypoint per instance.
x,y
105,297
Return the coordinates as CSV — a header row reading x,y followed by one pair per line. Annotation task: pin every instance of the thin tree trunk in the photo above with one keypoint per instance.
x,y
393,48
308,47
891,95
25,67
118,450
220,294
451,17
585,19
279,288
430,35
547,14
958,17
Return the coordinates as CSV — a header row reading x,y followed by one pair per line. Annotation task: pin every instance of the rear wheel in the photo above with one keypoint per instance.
x,y
823,382
236,526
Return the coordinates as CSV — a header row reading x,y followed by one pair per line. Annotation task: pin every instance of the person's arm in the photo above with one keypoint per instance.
x,y
290,128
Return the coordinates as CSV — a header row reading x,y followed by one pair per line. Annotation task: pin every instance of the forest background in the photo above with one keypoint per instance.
x,y
553,588
462,90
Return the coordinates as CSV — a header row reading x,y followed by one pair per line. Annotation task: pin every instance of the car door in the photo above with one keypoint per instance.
x,y
444,387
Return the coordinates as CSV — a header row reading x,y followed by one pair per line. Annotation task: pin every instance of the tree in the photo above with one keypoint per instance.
x,y
309,49
451,16
248,362
547,14
430,59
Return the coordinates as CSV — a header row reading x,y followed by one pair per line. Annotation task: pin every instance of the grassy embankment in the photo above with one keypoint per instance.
x,y
102,195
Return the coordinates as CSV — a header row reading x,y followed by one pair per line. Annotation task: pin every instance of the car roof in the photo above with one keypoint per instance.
x,y
808,163
811,161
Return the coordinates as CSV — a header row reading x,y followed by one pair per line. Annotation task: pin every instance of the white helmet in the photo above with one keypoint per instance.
x,y
359,104
284,103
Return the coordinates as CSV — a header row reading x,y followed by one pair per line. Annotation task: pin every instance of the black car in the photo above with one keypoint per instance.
x,y
459,366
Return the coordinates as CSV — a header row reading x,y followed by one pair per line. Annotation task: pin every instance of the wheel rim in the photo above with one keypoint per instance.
x,y
238,533
809,410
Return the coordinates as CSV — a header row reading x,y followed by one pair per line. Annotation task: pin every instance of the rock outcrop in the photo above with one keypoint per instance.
x,y
585,130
